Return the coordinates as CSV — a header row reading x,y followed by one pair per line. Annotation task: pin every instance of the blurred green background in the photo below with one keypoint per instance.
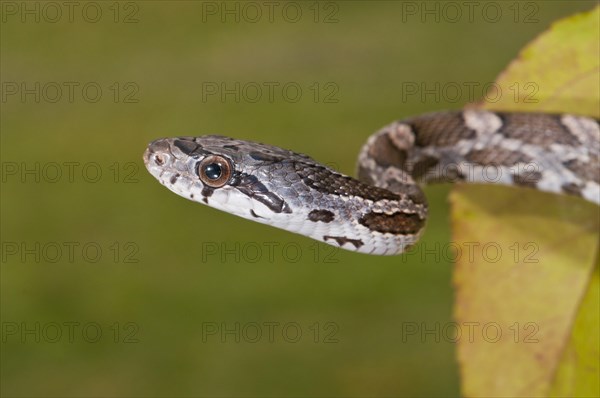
x,y
149,314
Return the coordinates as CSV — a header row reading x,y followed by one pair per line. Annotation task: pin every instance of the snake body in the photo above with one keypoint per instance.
x,y
383,211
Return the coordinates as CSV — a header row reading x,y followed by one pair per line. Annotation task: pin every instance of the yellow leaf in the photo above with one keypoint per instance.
x,y
577,375
541,293
524,280
558,72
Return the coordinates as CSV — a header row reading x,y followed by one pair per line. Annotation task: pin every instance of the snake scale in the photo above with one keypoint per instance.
x,y
383,211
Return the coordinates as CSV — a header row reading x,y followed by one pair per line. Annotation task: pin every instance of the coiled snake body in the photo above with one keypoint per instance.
x,y
384,211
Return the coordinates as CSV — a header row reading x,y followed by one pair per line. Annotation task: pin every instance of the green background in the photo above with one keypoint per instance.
x,y
153,313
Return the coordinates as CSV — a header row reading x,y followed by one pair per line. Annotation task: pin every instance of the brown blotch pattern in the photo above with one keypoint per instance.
x,y
386,153
206,193
536,129
328,182
321,215
497,156
424,165
585,171
445,129
341,240
396,223
527,179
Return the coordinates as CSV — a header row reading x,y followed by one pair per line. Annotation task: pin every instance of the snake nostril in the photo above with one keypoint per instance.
x,y
159,159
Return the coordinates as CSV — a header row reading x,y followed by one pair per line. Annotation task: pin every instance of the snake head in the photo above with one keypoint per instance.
x,y
287,190
236,176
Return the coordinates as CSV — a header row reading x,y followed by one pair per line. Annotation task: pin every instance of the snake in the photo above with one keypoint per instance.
x,y
384,210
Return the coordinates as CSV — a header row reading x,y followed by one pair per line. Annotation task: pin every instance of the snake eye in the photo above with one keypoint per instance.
x,y
214,171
